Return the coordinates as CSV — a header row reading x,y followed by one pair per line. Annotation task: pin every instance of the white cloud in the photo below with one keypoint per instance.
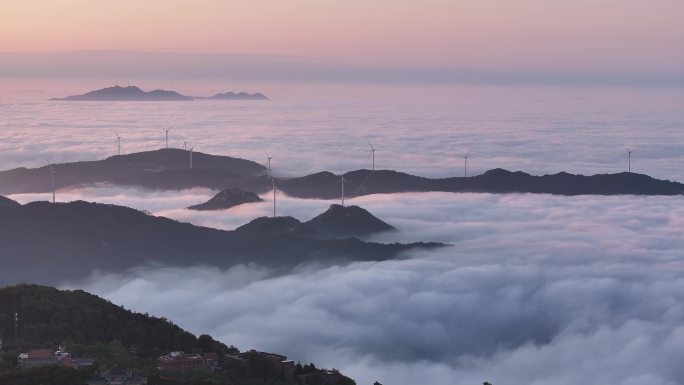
x,y
421,130
536,289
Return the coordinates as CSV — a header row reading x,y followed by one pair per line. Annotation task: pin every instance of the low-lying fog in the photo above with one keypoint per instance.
x,y
421,130
536,289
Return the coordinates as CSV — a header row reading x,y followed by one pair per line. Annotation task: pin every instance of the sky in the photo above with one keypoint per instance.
x,y
434,41
536,289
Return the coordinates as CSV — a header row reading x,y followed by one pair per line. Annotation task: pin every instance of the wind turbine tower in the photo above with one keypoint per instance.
x,y
342,180
372,154
465,164
118,143
167,136
274,196
268,162
53,172
629,159
191,149
54,188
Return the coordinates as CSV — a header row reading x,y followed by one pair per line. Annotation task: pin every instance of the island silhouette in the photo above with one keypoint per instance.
x,y
135,94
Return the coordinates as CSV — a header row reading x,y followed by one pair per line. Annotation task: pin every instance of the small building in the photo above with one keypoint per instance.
x,y
45,357
181,363
37,357
117,376
76,362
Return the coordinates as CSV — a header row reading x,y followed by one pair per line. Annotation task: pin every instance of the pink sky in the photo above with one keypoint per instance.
x,y
622,35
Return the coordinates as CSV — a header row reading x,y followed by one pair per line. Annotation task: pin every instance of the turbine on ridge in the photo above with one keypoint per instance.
x,y
118,143
371,154
166,130
629,159
465,164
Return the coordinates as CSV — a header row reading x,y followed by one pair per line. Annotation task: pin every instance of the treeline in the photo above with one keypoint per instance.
x,y
48,317
89,326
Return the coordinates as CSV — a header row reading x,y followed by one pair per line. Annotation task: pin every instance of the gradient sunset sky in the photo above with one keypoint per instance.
x,y
43,38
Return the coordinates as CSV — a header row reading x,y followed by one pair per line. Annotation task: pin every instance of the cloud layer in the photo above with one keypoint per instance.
x,y
419,130
536,290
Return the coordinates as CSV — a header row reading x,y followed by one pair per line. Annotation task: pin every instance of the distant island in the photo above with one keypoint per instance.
x,y
135,94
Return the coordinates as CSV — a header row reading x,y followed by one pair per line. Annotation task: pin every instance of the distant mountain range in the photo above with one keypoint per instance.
x,y
135,94
168,169
51,242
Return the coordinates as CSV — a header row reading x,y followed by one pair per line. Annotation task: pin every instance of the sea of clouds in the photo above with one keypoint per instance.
x,y
535,289
425,131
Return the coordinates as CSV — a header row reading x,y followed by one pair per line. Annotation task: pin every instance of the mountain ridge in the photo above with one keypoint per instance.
x,y
168,169
122,238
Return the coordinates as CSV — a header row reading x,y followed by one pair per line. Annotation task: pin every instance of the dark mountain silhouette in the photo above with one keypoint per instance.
x,y
48,243
135,94
271,225
160,169
324,185
227,199
169,169
336,222
113,336
48,314
6,202
341,220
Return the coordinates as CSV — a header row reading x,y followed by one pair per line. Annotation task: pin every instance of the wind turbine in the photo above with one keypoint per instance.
x,y
191,149
167,136
372,154
274,196
629,159
185,144
268,162
342,180
118,143
53,172
465,164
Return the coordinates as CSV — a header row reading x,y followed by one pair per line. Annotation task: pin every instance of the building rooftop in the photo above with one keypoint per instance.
x,y
40,353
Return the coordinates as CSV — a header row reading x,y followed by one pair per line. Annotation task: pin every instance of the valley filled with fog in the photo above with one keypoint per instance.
x,y
534,289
